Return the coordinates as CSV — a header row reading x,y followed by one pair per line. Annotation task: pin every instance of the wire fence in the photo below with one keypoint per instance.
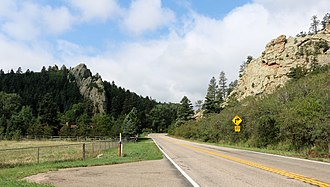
x,y
57,138
54,153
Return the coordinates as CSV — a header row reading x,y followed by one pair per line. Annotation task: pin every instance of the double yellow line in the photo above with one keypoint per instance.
x,y
260,166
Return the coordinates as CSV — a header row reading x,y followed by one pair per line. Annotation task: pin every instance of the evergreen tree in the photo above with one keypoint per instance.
x,y
211,103
222,85
131,123
162,116
244,64
231,86
185,110
325,21
314,25
212,89
48,112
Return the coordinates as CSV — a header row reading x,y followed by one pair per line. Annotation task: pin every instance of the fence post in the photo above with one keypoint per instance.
x,y
93,149
83,151
38,153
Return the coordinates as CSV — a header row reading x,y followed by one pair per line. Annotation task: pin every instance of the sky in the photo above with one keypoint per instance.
x,y
165,49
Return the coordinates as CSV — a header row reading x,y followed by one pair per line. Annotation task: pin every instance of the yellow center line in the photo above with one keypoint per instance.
x,y
256,165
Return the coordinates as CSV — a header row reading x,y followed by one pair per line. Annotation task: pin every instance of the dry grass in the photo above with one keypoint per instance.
x,y
6,144
13,153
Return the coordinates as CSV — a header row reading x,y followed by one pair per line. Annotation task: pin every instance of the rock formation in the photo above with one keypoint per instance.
x,y
91,87
268,72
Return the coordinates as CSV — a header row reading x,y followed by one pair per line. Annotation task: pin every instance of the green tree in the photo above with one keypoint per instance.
x,y
244,64
325,21
211,103
162,116
48,113
185,110
131,123
314,25
231,86
222,86
102,124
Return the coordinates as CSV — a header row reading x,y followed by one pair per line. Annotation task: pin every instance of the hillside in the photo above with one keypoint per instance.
x,y
294,117
69,102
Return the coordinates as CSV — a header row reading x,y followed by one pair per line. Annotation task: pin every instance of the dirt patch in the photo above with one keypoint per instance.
x,y
145,173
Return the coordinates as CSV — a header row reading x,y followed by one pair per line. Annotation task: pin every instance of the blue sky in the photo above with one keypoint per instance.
x,y
160,48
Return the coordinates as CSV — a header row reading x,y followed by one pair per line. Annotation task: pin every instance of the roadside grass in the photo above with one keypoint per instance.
x,y
144,149
270,150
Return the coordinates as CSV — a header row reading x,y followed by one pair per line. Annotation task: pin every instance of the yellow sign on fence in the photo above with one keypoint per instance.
x,y
237,120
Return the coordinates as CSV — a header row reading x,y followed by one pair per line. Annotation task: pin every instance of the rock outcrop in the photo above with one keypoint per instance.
x,y
91,87
268,72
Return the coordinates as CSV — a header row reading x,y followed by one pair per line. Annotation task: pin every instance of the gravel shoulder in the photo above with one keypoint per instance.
x,y
144,173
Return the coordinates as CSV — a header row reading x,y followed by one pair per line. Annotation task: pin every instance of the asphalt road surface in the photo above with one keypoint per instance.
x,y
219,166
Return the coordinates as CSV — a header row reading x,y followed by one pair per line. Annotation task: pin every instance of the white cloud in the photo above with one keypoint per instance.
x,y
99,9
147,15
16,54
57,20
27,21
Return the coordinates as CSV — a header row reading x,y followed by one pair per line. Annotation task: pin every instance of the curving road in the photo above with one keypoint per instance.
x,y
209,165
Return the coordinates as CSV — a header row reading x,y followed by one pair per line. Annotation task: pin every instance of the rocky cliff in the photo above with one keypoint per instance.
x,y
91,87
270,70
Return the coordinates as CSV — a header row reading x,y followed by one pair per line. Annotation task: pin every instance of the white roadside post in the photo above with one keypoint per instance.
x,y
120,146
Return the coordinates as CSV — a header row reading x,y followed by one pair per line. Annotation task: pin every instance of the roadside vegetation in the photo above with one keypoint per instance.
x,y
295,118
144,149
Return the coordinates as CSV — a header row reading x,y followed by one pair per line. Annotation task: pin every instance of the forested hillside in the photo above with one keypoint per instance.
x,y
294,117
50,103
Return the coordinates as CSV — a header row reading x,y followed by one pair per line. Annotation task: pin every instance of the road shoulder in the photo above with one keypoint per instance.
x,y
144,173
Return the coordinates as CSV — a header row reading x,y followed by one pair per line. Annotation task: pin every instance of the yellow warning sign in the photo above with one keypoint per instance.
x,y
237,128
237,120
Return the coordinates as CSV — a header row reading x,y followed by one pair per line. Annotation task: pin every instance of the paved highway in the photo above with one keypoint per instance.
x,y
209,165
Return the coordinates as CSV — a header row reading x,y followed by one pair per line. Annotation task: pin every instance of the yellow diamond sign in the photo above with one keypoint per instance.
x,y
237,128
237,120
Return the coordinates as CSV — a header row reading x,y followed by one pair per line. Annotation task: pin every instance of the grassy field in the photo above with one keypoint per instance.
x,y
145,149
30,152
6,144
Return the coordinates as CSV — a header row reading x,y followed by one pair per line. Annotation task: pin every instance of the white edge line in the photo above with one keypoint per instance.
x,y
177,166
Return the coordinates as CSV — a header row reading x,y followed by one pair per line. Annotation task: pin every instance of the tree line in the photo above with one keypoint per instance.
x,y
48,103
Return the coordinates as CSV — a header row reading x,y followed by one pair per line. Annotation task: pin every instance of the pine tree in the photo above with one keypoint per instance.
x,y
222,86
325,21
314,25
231,86
131,123
212,89
185,111
213,96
